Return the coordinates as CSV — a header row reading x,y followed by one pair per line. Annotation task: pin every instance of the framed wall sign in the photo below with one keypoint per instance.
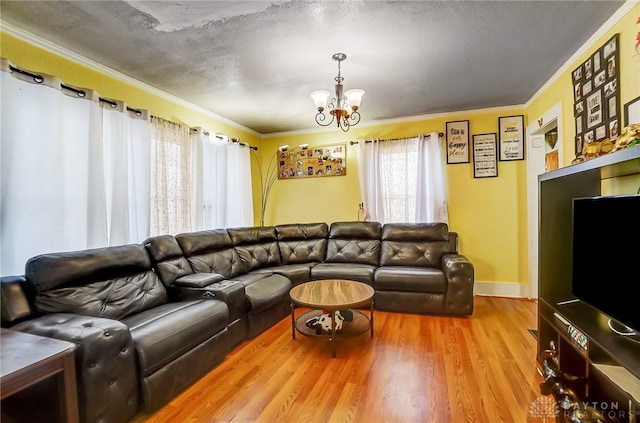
x,y
511,130
458,142
632,112
597,95
310,162
485,157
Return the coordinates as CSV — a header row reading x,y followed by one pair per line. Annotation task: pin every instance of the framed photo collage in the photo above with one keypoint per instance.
x,y
596,96
310,162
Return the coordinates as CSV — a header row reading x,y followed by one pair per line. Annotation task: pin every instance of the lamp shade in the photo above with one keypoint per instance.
x,y
354,96
320,98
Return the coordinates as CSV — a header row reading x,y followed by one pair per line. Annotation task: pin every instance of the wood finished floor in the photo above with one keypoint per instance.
x,y
415,369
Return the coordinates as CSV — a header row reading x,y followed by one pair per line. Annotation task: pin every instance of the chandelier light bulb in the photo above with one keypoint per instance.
x,y
320,99
354,97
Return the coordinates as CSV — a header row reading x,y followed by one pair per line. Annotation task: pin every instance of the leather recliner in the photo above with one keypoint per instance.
x,y
111,303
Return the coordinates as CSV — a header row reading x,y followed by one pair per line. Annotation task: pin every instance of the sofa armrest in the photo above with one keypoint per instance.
x,y
105,358
459,272
16,300
230,292
198,280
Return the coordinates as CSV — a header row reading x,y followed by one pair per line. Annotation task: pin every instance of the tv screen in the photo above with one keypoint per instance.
x,y
606,255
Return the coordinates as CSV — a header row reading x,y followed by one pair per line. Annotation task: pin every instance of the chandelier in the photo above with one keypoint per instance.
x,y
343,108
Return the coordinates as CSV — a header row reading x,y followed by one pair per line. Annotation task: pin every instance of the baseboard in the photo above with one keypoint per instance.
x,y
502,289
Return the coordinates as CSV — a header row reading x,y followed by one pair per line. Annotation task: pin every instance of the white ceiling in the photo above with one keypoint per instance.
x,y
255,62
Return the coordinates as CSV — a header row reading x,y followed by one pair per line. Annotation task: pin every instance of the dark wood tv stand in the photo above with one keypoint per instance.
x,y
586,347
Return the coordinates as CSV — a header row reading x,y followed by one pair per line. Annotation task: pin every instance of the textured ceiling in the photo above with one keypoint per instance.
x,y
255,62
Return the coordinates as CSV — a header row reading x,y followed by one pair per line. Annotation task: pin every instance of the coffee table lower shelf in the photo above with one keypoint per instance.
x,y
359,325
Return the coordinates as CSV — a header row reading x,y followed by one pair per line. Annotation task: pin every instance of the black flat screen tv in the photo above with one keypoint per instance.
x,y
606,257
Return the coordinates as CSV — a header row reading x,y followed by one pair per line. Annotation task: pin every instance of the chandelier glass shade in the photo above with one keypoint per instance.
x,y
343,107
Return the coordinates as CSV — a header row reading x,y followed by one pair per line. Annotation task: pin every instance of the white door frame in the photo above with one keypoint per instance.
x,y
536,166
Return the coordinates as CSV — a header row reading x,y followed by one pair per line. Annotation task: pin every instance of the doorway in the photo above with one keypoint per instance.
x,y
544,152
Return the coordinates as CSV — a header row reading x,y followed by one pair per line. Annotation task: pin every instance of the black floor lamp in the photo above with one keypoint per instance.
x,y
268,178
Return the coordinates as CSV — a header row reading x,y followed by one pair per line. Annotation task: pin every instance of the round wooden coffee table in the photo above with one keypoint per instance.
x,y
332,295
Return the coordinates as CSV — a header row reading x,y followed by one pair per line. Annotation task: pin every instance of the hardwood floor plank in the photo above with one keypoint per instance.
x,y
416,369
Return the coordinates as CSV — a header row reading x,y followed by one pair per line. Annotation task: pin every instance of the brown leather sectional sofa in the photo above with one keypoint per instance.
x,y
150,319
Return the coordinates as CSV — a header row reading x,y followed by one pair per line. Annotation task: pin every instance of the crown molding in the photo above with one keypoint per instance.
x,y
588,45
84,61
75,57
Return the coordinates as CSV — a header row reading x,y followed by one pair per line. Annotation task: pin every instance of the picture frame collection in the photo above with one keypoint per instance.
x,y
596,95
487,149
312,162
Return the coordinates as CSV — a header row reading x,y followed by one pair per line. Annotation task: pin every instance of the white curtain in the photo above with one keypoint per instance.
x,y
77,172
60,173
222,195
431,198
403,180
370,183
127,159
239,198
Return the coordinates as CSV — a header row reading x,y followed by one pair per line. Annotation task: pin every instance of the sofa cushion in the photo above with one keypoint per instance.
x,y
350,271
296,273
167,258
111,282
73,268
253,277
410,279
256,247
114,298
251,235
267,292
211,252
165,333
414,244
354,242
302,243
194,243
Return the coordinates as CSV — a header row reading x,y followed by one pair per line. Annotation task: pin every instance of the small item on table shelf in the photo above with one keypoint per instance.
x,y
323,321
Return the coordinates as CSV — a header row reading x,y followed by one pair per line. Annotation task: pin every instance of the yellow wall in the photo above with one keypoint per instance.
x,y
490,213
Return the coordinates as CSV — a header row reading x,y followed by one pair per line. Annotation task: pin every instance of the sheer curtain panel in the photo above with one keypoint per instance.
x,y
171,178
403,180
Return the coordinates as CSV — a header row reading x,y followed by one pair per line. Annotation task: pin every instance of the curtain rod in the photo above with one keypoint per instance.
x,y
440,134
231,140
81,93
